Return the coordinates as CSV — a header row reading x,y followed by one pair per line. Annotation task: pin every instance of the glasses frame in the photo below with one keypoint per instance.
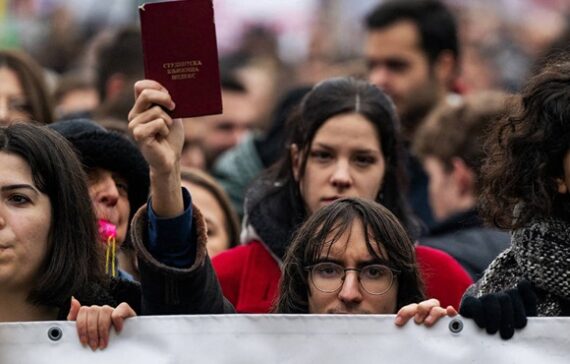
x,y
394,273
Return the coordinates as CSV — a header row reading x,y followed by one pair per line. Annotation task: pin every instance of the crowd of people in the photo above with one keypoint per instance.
x,y
390,190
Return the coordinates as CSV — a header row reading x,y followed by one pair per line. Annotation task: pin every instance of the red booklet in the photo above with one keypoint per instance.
x,y
180,52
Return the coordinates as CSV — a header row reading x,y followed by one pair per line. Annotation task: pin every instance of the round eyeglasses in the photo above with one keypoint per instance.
x,y
328,277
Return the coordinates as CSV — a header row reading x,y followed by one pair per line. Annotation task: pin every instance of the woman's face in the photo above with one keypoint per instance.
x,y
14,105
25,221
345,160
109,194
218,238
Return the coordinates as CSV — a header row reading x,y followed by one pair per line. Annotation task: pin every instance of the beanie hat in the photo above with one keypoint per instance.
x,y
100,148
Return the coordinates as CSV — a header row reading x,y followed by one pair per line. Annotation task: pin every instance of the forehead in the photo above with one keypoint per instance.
x,y
350,246
398,40
348,130
9,81
14,168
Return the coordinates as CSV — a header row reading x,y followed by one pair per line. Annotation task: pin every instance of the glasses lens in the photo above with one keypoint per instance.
x,y
376,278
327,277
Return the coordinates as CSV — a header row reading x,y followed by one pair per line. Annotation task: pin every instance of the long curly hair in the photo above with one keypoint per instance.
x,y
525,152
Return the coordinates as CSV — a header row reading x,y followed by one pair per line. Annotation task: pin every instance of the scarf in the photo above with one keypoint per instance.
x,y
539,252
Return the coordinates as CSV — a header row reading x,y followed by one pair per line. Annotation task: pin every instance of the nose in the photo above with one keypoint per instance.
x,y
350,292
107,192
341,178
380,76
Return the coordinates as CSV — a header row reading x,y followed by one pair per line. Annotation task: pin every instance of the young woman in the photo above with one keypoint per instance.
x,y
23,91
526,188
344,143
221,220
49,245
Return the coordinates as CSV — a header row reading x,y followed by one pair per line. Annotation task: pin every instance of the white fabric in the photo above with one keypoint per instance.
x,y
288,339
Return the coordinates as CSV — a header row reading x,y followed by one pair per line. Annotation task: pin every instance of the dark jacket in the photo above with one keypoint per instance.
x,y
163,289
464,237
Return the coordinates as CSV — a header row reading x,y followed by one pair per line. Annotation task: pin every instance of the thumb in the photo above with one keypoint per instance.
x,y
74,309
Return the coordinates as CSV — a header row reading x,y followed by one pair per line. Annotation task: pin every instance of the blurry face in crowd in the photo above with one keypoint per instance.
x,y
564,182
228,129
25,222
398,66
345,160
441,189
218,239
109,195
350,251
13,103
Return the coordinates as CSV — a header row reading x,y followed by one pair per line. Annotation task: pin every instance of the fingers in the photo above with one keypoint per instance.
x,y
427,312
507,329
491,313
451,311
104,325
73,310
92,326
122,312
147,84
150,130
405,314
81,324
471,307
424,309
519,312
149,98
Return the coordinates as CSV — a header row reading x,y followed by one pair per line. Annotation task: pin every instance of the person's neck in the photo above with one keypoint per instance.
x,y
15,307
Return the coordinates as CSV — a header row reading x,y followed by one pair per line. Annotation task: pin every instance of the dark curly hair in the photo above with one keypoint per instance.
x,y
383,232
525,152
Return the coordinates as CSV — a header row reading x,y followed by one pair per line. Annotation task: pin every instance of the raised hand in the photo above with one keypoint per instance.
x,y
160,139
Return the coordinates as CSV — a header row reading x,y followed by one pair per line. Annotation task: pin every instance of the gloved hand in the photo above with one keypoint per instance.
x,y
502,311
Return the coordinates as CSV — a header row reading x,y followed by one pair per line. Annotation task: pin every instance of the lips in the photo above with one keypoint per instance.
x,y
330,199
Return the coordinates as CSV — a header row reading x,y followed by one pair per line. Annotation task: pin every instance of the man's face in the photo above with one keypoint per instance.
x,y
398,65
350,251
442,189
228,129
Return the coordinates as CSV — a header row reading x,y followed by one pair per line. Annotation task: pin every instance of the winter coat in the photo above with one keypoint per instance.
x,y
464,237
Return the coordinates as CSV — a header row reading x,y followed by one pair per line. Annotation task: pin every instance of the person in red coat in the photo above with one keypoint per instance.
x,y
344,142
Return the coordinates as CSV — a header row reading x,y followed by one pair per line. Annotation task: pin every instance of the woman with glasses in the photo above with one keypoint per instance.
x,y
354,257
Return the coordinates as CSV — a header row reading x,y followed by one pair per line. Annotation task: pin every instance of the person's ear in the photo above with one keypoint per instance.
x,y
445,67
464,177
295,161
562,187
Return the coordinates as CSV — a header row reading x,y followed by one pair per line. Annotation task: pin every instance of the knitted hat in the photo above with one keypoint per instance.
x,y
100,148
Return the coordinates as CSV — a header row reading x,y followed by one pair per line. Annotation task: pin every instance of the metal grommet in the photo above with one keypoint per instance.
x,y
456,326
55,333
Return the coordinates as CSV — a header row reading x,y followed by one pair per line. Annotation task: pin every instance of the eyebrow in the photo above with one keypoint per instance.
x,y
359,265
19,186
358,150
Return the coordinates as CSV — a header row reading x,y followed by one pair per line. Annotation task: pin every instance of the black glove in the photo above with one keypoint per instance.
x,y
502,311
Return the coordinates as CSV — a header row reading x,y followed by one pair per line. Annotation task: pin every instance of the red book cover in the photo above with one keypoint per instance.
x,y
180,52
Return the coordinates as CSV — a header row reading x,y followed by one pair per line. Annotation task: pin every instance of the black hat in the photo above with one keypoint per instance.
x,y
100,148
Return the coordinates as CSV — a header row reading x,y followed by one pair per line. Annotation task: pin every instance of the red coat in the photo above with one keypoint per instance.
x,y
250,275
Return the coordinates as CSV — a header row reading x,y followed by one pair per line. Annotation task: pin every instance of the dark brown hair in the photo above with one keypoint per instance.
x,y
73,257
30,74
202,179
383,232
526,151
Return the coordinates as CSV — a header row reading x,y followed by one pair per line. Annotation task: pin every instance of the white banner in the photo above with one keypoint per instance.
x,y
287,339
